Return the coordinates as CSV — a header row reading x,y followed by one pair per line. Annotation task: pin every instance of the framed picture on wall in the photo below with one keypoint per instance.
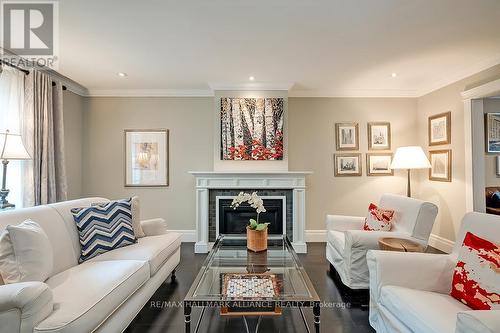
x,y
379,164
440,165
347,165
146,158
379,136
493,132
439,129
347,136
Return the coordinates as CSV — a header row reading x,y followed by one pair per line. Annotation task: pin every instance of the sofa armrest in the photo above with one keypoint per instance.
x,y
422,271
478,321
343,223
368,240
154,227
24,305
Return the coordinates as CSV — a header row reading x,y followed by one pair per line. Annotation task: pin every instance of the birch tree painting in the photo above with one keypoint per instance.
x,y
252,128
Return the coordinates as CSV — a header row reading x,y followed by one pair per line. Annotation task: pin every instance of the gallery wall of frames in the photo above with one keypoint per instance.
x,y
348,161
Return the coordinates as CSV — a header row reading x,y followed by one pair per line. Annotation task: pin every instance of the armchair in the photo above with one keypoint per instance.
x,y
347,242
406,289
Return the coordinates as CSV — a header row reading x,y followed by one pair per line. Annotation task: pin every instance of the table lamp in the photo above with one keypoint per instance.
x,y
409,158
11,148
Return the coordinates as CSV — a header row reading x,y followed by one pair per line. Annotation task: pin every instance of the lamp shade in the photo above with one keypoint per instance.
x,y
410,158
12,147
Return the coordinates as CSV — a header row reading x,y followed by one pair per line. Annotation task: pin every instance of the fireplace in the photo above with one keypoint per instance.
x,y
234,221
268,184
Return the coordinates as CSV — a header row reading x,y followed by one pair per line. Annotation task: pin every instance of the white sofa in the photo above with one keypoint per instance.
x,y
103,294
347,242
409,292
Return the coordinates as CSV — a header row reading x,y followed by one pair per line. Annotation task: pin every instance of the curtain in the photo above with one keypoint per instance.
x,y
44,123
11,108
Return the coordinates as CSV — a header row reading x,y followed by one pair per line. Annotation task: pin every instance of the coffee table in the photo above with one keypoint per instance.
x,y
229,255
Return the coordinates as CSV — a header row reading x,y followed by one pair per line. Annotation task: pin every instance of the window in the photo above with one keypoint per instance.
x,y
11,111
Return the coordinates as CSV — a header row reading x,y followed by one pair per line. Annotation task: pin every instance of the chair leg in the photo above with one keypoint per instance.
x,y
172,276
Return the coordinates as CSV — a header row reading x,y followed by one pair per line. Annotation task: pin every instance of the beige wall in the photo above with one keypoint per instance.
x,y
490,163
74,107
191,147
311,126
450,197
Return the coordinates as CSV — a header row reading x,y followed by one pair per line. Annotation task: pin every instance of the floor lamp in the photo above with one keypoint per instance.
x,y
408,158
11,148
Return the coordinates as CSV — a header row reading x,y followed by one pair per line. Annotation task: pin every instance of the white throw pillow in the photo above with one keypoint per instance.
x,y
136,217
25,253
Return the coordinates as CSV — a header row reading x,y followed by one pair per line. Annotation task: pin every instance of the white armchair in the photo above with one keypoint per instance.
x,y
347,242
409,292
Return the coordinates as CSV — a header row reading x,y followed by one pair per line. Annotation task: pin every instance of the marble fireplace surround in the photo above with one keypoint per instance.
x,y
271,180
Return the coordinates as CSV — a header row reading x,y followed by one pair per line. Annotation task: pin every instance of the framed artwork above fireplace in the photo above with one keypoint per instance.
x,y
251,129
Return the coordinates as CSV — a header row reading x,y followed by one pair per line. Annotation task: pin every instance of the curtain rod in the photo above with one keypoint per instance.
x,y
25,71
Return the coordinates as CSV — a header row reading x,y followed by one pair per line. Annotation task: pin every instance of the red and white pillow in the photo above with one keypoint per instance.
x,y
476,280
378,219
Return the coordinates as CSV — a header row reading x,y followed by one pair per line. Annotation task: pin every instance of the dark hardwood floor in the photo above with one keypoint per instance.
x,y
336,316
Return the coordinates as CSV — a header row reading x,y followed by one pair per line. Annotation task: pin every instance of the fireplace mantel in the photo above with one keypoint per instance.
x,y
293,180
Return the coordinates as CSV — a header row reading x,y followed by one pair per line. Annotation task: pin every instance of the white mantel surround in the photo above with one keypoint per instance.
x,y
292,180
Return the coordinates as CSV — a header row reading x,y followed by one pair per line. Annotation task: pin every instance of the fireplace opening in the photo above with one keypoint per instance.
x,y
234,221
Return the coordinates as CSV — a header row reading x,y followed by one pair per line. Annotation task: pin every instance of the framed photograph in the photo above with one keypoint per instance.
x,y
439,129
146,158
493,132
379,164
347,165
347,136
440,165
379,136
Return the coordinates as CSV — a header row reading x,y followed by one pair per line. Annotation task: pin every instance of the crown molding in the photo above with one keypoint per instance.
x,y
467,72
150,93
486,90
388,93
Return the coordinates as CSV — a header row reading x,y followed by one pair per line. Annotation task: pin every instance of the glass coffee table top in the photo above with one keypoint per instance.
x,y
229,255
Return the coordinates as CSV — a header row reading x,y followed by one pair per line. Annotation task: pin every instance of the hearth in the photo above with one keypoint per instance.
x,y
232,221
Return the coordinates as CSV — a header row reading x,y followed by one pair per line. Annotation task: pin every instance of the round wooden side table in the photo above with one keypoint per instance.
x,y
399,244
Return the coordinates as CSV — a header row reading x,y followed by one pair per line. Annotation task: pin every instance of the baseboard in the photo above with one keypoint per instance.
x,y
315,236
441,243
188,236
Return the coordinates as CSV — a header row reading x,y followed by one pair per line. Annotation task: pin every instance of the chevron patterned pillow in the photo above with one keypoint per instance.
x,y
104,227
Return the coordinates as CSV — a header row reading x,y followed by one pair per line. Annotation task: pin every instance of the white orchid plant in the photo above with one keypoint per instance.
x,y
255,202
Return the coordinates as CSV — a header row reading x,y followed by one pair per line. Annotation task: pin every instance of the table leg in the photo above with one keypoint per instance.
x,y
187,317
316,312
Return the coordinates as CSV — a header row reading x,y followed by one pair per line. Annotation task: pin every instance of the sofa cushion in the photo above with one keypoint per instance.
x,y
421,309
85,295
104,227
25,253
154,249
476,279
337,239
378,219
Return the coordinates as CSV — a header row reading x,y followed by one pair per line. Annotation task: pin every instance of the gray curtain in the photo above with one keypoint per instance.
x,y
45,109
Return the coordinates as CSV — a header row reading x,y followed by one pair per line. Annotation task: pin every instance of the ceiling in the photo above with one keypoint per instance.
x,y
313,48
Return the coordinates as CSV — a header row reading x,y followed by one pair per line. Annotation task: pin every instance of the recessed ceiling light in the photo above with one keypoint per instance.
x,y
394,74
252,78
122,74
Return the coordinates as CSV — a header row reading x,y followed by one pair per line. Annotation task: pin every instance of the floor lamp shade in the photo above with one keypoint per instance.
x,y
409,158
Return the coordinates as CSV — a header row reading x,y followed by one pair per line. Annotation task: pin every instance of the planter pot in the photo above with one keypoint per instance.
x,y
256,240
